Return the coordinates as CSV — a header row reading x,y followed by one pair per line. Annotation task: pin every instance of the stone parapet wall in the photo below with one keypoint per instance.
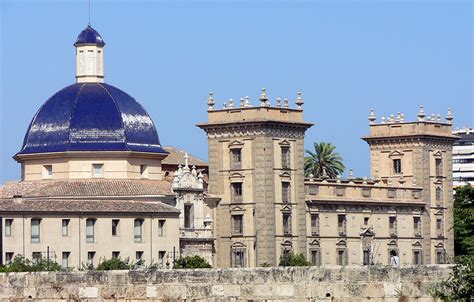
x,y
253,284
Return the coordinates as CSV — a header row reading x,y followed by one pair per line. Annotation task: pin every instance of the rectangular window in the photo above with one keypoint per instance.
x,y
143,171
237,224
285,192
439,194
366,221
341,224
161,258
47,171
287,224
366,192
90,258
81,62
115,227
65,227
8,227
439,166
36,256
138,232
161,227
439,227
315,257
238,258
139,255
285,157
65,259
236,159
392,225
90,62
188,216
366,257
341,257
236,192
440,259
314,224
417,226
97,170
99,62
397,166
35,230
115,254
90,223
417,257
9,257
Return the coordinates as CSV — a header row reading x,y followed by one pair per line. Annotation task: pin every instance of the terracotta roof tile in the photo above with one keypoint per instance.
x,y
176,157
89,187
85,206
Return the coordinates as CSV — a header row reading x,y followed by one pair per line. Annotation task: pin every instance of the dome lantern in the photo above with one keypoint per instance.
x,y
89,56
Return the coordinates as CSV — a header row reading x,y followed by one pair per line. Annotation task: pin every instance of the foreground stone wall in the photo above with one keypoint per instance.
x,y
253,284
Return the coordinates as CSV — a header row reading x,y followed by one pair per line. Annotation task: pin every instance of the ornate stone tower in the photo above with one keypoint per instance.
x,y
256,157
419,154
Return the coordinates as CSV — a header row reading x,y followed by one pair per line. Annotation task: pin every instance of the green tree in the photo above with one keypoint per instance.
x,y
324,159
464,221
291,259
192,262
117,263
460,284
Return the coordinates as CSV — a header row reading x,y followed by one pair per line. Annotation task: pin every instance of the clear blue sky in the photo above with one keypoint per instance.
x,y
345,56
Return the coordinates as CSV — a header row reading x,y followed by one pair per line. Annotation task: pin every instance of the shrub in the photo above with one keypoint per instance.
x,y
460,284
21,264
291,259
191,262
117,263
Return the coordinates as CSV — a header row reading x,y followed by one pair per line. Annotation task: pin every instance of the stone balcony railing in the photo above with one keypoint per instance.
x,y
190,233
360,190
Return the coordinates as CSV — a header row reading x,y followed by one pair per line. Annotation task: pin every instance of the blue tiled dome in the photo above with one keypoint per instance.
x,y
91,117
89,36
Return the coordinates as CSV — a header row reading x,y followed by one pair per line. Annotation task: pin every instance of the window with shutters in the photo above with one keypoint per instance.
x,y
35,230
236,188
65,259
397,166
314,224
65,227
90,258
285,157
81,62
341,224
138,230
392,226
237,224
439,166
161,227
90,230
417,260
90,62
236,159
238,257
316,257
8,227
115,227
417,226
285,192
99,62
286,223
342,256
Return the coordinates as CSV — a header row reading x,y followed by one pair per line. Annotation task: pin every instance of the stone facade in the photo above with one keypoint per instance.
x,y
246,147
256,158
257,284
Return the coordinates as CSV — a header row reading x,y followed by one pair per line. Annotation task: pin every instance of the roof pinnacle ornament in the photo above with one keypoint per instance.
x,y
372,117
278,102
263,98
449,116
247,102
285,103
210,101
299,101
421,114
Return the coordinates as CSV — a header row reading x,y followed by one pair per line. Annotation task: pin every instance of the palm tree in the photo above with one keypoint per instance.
x,y
324,161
